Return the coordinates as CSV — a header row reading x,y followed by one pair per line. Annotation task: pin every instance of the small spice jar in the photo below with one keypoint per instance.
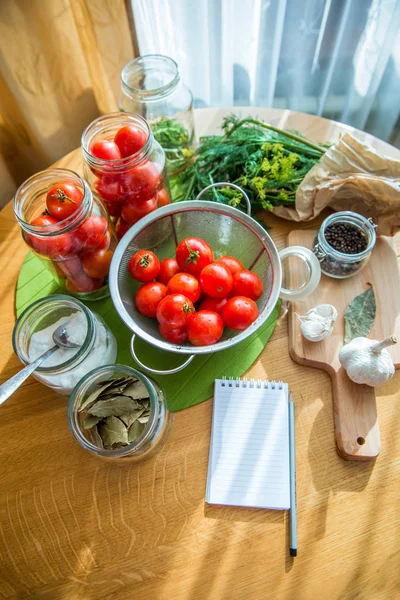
x,y
344,244
78,244
153,435
151,86
130,186
32,336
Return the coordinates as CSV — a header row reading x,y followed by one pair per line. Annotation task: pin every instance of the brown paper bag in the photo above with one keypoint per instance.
x,y
350,176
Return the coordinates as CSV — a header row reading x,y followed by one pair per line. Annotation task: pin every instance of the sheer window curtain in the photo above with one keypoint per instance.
x,y
334,58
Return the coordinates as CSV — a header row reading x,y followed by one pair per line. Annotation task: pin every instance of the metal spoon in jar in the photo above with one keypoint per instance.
x,y
60,338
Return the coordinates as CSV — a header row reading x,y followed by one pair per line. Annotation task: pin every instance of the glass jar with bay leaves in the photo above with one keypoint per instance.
x,y
118,412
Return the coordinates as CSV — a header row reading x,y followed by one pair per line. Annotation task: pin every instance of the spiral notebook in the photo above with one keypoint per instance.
x,y
249,450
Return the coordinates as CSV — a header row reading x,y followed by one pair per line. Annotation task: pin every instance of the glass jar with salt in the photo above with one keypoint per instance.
x,y
33,332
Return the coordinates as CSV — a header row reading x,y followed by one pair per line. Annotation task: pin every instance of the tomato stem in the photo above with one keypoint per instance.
x,y
62,197
144,261
193,255
187,308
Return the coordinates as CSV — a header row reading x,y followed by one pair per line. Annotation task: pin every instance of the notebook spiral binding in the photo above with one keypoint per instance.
x,y
251,383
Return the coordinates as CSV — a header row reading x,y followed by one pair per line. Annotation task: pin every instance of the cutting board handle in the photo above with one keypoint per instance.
x,y
356,419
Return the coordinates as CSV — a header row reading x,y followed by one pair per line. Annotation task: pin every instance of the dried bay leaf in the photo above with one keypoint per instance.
x,y
113,431
135,431
360,316
137,390
95,437
131,417
91,399
116,406
90,421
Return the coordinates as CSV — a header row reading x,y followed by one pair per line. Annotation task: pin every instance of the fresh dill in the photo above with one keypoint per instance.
x,y
267,162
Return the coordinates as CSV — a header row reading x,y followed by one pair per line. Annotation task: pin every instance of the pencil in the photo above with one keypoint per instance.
x,y
292,461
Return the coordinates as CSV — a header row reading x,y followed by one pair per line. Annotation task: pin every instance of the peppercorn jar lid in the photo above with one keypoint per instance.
x,y
344,244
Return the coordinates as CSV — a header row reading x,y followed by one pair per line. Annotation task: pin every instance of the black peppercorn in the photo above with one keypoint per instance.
x,y
346,238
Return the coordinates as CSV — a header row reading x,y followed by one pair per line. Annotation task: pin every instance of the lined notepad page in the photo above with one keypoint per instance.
x,y
249,451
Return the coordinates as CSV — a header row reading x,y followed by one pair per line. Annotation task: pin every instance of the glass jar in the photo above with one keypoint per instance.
x,y
78,248
152,436
341,265
130,187
151,87
32,336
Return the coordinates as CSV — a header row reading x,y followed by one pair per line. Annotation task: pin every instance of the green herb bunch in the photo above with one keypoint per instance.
x,y
175,140
267,162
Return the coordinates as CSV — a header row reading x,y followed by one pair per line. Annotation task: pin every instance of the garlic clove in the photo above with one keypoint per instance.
x,y
317,324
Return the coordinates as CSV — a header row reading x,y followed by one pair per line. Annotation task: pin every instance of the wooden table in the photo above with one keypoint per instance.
x,y
73,526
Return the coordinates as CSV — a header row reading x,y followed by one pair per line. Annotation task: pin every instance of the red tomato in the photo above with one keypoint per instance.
x,y
93,233
109,188
130,139
186,284
148,297
105,150
193,254
214,304
113,208
44,220
216,280
205,328
230,262
163,198
121,228
176,335
63,199
55,246
133,210
141,182
239,312
168,268
97,264
71,268
247,283
144,266
83,284
174,311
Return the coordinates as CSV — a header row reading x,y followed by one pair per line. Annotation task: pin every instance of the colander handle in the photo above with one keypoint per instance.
x,y
313,268
157,371
227,184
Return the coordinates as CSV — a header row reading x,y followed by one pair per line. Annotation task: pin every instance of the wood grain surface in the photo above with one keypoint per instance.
x,y
75,527
354,406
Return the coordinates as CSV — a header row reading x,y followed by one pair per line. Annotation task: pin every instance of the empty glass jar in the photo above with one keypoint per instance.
x,y
75,238
151,87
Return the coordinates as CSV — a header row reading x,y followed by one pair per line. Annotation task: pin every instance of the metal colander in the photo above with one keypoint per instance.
x,y
227,230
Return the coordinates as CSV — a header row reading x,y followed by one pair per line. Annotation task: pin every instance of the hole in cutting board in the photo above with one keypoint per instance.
x,y
360,441
300,273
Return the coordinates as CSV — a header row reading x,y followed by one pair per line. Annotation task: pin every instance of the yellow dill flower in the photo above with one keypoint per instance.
x,y
259,183
283,195
187,153
265,165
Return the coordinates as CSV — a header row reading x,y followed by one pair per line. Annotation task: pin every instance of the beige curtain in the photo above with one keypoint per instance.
x,y
60,63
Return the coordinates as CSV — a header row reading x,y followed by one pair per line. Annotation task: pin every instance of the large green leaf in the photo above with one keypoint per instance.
x,y
188,387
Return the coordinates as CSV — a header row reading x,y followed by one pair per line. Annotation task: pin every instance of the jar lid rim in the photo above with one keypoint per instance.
x,y
138,65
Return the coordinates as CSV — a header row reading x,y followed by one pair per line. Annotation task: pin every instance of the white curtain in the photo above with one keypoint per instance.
x,y
334,58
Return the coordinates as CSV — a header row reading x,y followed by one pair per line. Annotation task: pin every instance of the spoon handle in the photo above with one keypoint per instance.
x,y
12,384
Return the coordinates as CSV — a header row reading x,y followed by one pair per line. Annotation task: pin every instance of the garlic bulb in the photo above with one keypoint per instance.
x,y
317,324
366,361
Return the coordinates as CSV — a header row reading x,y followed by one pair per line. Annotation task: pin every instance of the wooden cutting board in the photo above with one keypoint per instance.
x,y
355,415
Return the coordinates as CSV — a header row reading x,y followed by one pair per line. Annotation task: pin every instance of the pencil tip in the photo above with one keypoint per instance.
x,y
293,552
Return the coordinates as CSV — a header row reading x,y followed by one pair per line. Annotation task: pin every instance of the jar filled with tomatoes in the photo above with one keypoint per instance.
x,y
125,167
151,86
65,225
